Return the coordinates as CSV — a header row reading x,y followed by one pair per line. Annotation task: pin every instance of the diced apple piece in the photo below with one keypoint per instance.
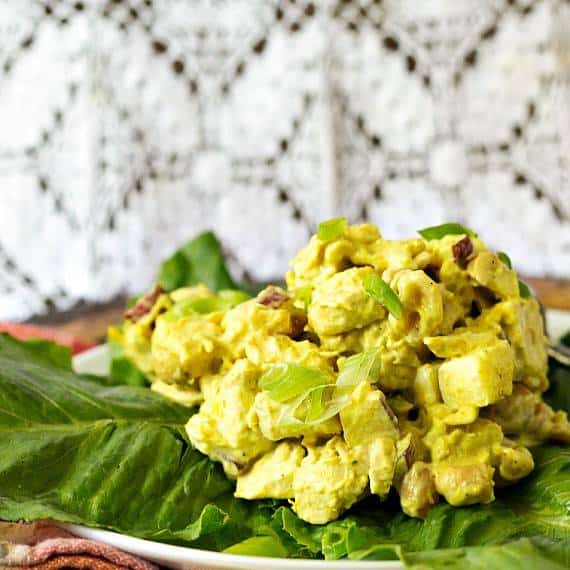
x,y
426,386
479,378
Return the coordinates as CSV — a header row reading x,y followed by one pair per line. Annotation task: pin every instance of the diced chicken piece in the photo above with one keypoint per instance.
x,y
185,395
381,465
251,321
525,415
515,462
358,245
399,362
185,349
476,442
271,476
488,270
220,429
135,334
453,310
136,344
370,430
401,406
479,378
417,491
268,350
516,413
465,484
328,482
367,416
340,303
422,301
396,255
524,327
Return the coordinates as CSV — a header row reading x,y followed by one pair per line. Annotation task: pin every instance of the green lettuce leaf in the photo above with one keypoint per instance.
x,y
55,354
116,457
523,554
201,260
558,395
122,370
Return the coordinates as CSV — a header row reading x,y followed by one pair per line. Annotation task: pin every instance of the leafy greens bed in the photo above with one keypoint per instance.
x,y
107,452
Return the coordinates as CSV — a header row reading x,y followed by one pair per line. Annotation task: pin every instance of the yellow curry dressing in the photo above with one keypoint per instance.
x,y
454,405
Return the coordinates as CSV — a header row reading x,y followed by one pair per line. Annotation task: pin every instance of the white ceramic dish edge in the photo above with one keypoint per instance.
x,y
182,558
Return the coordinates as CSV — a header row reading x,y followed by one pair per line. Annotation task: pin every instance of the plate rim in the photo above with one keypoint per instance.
x,y
185,554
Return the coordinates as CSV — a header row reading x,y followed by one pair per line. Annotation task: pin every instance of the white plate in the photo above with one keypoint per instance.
x,y
96,361
194,559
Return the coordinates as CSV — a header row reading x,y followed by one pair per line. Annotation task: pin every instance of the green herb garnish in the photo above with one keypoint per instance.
x,y
287,381
302,391
331,229
380,291
505,259
361,367
524,290
225,300
234,296
200,260
438,232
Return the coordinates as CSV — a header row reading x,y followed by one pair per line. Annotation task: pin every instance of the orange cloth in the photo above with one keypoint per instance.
x,y
25,331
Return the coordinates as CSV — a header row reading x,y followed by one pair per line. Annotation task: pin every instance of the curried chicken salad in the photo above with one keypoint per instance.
x,y
416,365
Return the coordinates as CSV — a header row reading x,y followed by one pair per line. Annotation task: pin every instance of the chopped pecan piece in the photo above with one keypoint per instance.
x,y
144,305
298,322
273,297
417,491
432,271
462,251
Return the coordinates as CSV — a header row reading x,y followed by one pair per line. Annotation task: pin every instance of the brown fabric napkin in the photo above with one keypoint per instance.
x,y
44,546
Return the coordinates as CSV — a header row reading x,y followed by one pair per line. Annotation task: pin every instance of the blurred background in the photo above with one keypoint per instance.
x,y
128,126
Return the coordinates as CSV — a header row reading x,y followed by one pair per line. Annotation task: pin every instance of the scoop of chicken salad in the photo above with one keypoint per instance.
x,y
417,365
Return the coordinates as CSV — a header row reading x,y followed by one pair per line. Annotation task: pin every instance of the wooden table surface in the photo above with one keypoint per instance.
x,y
90,323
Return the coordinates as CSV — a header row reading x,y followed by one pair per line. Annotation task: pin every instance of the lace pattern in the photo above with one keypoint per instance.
x,y
127,126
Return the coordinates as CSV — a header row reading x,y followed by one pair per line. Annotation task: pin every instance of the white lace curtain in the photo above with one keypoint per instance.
x,y
127,126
